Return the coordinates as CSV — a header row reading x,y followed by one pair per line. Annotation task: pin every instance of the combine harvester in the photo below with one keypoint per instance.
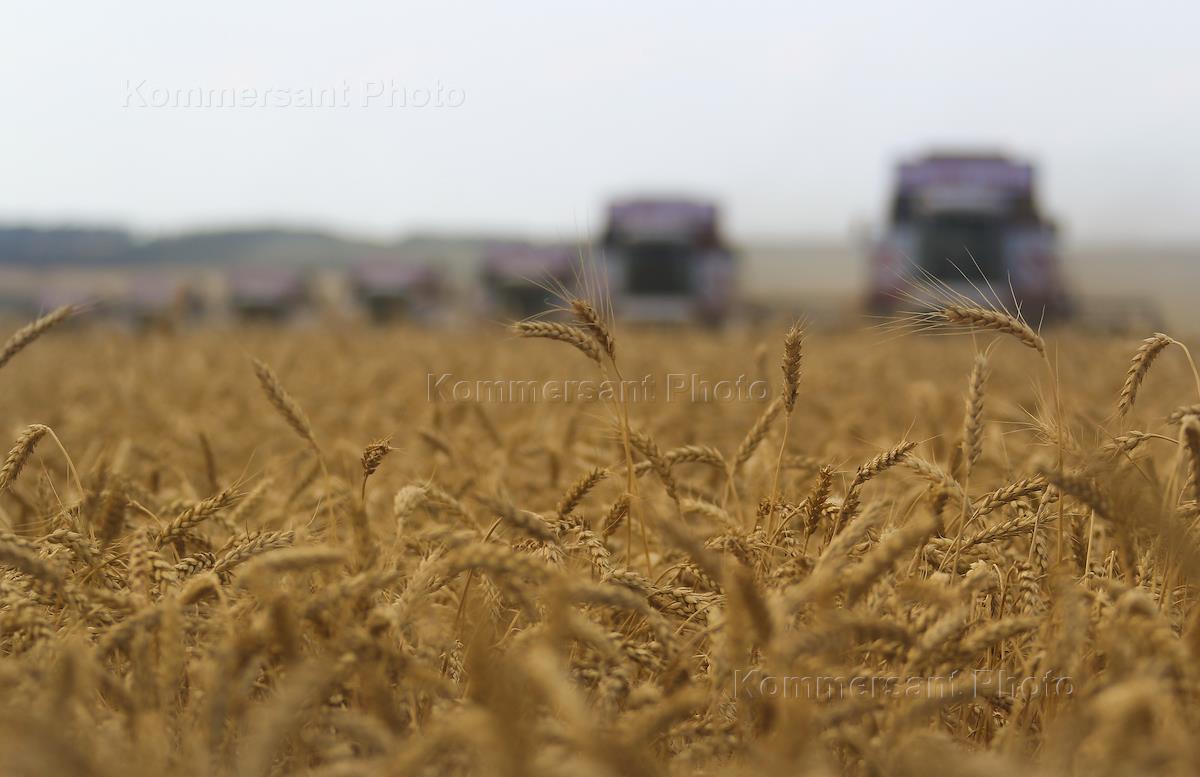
x,y
268,293
971,225
968,224
520,280
660,261
153,300
391,290
666,262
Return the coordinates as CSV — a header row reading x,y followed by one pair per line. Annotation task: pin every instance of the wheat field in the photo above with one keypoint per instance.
x,y
305,551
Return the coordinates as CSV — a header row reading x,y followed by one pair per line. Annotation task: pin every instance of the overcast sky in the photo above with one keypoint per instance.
x,y
524,115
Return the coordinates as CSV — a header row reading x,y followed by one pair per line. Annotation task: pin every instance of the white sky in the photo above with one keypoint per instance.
x,y
790,113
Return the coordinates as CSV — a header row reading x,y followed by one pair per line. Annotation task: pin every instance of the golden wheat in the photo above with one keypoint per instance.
x,y
1139,366
22,449
283,403
21,338
185,605
994,320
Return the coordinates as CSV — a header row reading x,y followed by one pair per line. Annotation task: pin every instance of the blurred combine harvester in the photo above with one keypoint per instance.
x,y
971,222
160,299
269,293
666,261
390,290
520,279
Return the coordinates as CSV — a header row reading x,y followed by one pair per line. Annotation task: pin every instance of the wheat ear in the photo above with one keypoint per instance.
x,y
283,403
994,320
793,343
973,420
1139,366
1190,433
593,323
32,331
20,453
564,333
372,456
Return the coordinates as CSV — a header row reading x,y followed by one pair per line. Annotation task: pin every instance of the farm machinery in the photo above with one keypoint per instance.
x,y
969,225
666,261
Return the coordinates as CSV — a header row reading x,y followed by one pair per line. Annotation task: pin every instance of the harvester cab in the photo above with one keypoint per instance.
x,y
969,222
666,262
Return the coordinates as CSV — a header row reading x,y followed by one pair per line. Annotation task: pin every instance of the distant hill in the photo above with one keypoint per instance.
x,y
92,247
32,246
297,247
95,248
